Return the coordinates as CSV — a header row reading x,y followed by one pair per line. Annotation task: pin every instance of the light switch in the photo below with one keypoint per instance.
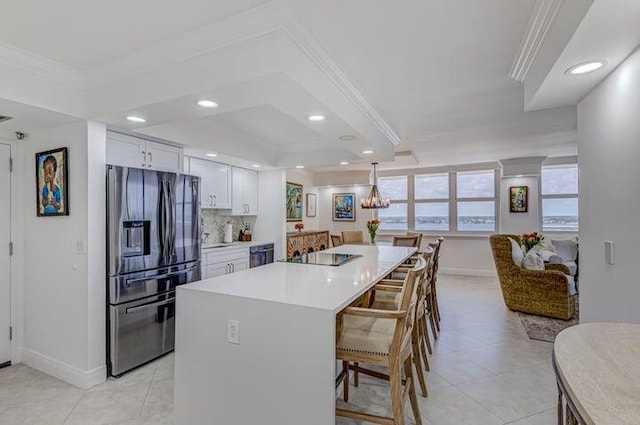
x,y
609,251
233,331
81,247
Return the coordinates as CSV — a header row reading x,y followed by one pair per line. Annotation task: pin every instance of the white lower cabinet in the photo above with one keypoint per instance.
x,y
220,261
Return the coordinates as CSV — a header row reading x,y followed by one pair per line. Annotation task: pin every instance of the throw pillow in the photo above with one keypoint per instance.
x,y
566,248
533,261
551,257
516,253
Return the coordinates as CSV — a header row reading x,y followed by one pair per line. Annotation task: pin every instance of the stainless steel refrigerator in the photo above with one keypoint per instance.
x,y
153,245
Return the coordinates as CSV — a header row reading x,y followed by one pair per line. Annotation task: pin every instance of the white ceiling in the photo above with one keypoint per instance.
x,y
83,34
432,74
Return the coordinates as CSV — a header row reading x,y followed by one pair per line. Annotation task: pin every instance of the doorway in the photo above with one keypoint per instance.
x,y
5,259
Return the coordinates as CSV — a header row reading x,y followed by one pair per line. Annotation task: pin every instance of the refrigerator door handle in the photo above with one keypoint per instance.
x,y
160,276
172,220
131,310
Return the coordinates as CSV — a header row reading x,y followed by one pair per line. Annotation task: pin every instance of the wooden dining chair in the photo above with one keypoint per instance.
x,y
336,240
383,338
409,241
355,237
419,235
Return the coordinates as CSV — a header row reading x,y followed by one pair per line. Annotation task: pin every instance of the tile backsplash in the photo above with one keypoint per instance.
x,y
213,223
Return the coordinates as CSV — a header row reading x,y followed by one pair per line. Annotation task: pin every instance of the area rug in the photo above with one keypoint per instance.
x,y
546,328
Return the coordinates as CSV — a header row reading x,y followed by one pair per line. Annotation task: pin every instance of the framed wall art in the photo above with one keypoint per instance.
x,y
518,199
344,207
52,184
294,202
311,204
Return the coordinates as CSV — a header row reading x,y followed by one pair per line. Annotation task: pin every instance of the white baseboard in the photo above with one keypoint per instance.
x,y
77,377
16,355
468,272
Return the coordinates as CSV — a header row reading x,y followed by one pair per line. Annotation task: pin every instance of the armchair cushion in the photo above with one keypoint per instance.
x,y
566,248
550,257
533,261
516,253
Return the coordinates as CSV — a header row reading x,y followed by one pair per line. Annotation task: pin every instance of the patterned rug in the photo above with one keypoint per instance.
x,y
546,328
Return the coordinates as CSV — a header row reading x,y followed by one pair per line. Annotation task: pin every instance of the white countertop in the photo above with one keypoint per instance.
x,y
599,365
307,285
220,245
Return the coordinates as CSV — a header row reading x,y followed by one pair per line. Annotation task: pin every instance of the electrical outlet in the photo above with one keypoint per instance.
x,y
233,331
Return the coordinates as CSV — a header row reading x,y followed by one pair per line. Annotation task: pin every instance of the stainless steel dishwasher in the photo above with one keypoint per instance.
x,y
260,255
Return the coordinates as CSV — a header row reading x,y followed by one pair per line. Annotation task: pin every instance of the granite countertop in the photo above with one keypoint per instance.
x,y
599,365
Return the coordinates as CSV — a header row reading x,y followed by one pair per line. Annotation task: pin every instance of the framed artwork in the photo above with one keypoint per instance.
x,y
344,207
311,204
294,202
518,199
52,184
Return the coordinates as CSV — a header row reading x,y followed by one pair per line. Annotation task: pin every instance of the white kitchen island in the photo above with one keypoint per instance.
x,y
282,371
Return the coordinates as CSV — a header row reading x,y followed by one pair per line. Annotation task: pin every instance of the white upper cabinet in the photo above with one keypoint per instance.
x,y
245,192
129,151
215,183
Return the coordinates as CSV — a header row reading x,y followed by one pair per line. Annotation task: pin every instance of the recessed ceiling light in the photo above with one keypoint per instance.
x,y
347,137
367,152
204,103
300,167
585,67
134,118
344,163
255,165
316,118
212,154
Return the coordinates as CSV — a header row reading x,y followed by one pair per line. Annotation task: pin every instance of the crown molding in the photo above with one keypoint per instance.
x,y
319,56
30,62
541,20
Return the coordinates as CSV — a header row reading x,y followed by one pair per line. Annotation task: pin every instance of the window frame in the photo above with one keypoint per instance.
x,y
452,200
542,197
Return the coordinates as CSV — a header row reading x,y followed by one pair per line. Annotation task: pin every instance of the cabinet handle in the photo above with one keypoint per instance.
x,y
144,159
215,200
150,160
210,200
228,268
233,267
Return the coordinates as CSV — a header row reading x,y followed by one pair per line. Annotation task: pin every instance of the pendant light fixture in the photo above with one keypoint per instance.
x,y
374,201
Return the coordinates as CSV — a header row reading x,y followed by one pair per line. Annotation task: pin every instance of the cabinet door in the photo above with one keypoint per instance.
x,y
220,185
126,151
237,196
200,168
250,191
164,157
240,265
218,269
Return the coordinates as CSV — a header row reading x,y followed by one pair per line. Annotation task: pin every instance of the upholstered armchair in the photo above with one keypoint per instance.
x,y
542,292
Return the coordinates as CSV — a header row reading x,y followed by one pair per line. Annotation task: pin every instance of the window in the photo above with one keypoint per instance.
x,y
440,202
476,203
396,189
559,192
432,202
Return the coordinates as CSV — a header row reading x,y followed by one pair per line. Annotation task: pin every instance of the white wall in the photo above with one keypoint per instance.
x,y
304,178
271,221
63,287
515,223
609,153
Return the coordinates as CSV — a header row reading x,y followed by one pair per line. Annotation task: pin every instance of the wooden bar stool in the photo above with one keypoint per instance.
x,y
336,240
383,337
409,241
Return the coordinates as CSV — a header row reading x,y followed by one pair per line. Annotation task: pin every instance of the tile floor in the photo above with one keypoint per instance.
x,y
484,371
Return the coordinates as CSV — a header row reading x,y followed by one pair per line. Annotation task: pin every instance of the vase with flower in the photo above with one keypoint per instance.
x,y
299,226
529,240
372,228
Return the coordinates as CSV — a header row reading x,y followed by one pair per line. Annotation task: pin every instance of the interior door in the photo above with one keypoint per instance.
x,y
5,264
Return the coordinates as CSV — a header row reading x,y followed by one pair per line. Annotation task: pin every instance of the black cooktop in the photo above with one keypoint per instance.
x,y
323,259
